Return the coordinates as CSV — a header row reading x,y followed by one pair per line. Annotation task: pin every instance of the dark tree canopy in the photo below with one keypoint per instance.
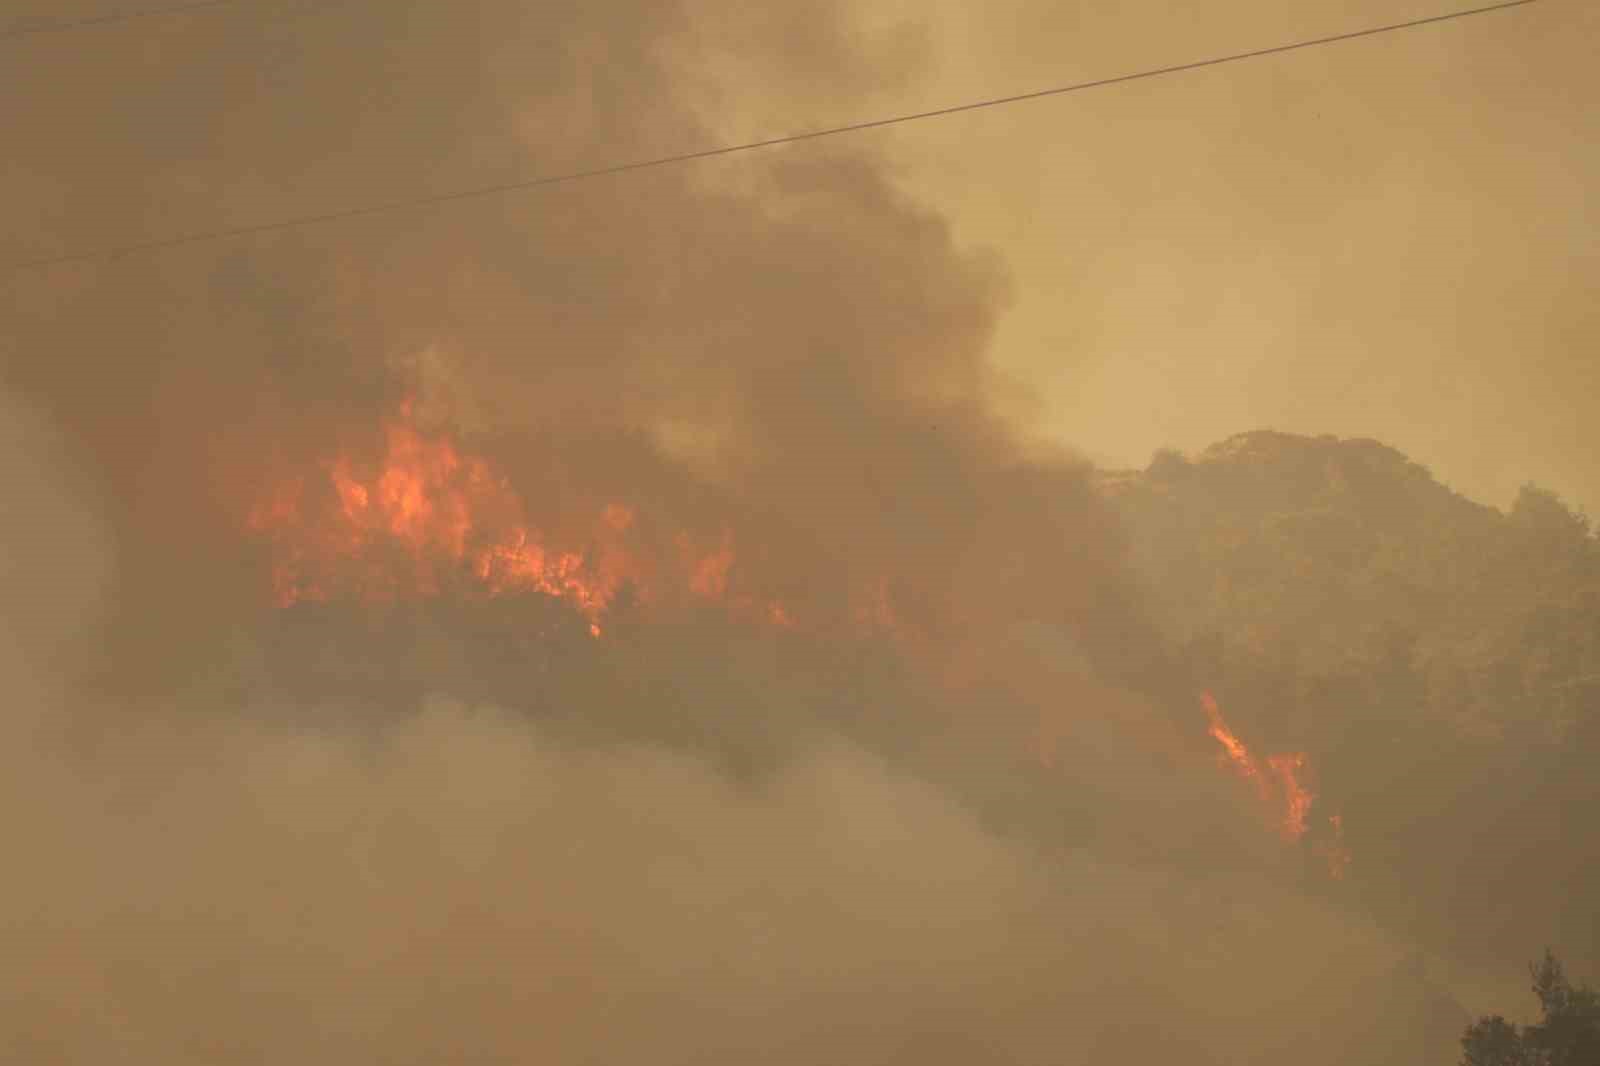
x,y
1567,1034
1438,660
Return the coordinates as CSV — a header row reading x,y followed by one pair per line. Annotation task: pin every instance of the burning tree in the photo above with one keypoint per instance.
x,y
1279,785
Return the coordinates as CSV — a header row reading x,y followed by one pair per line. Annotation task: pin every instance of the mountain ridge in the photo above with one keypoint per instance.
x,y
1437,658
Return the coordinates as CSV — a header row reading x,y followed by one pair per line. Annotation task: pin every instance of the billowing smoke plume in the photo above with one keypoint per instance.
x,y
247,827
785,357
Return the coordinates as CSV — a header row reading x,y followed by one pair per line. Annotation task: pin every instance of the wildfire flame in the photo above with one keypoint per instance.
x,y
1296,797
1278,784
1235,754
1333,851
425,517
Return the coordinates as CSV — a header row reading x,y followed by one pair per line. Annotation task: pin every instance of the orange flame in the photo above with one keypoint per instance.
x,y
1333,851
425,517
1296,797
709,576
1279,785
1234,752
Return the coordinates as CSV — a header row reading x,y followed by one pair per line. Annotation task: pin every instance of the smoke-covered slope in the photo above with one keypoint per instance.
x,y
1440,659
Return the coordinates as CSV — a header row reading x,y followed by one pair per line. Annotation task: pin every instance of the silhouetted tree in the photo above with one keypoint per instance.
x,y
1169,464
1568,1033
1493,1041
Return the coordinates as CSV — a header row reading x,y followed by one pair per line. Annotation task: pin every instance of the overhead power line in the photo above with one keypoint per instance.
x,y
101,20
709,153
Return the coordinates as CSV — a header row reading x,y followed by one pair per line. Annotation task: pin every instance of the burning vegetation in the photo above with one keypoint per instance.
x,y
424,517
663,702
1279,784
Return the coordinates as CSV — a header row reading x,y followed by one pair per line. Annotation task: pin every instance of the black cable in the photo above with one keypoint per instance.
x,y
708,153
101,20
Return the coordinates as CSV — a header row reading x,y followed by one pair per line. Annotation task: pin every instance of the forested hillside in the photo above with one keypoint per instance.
x,y
1438,659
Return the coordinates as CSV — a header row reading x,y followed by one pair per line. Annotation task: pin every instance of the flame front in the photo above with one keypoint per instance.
x,y
1296,797
1279,786
425,517
1234,752
1333,850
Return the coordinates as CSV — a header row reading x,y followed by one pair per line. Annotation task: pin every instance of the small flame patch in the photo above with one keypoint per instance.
x,y
1280,786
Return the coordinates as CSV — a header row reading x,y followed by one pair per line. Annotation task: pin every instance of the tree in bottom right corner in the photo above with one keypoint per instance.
x,y
1568,1033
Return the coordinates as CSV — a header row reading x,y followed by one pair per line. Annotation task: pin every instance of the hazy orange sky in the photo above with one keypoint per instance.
x,y
1393,237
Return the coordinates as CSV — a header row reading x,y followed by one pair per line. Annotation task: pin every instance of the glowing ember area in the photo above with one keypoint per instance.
x,y
424,518
1333,850
876,610
1235,754
1296,798
1278,783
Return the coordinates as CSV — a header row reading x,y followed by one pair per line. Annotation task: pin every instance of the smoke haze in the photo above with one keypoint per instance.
x,y
986,828
225,884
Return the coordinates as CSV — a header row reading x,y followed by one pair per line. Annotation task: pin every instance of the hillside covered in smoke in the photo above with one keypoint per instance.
x,y
624,624
1440,657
